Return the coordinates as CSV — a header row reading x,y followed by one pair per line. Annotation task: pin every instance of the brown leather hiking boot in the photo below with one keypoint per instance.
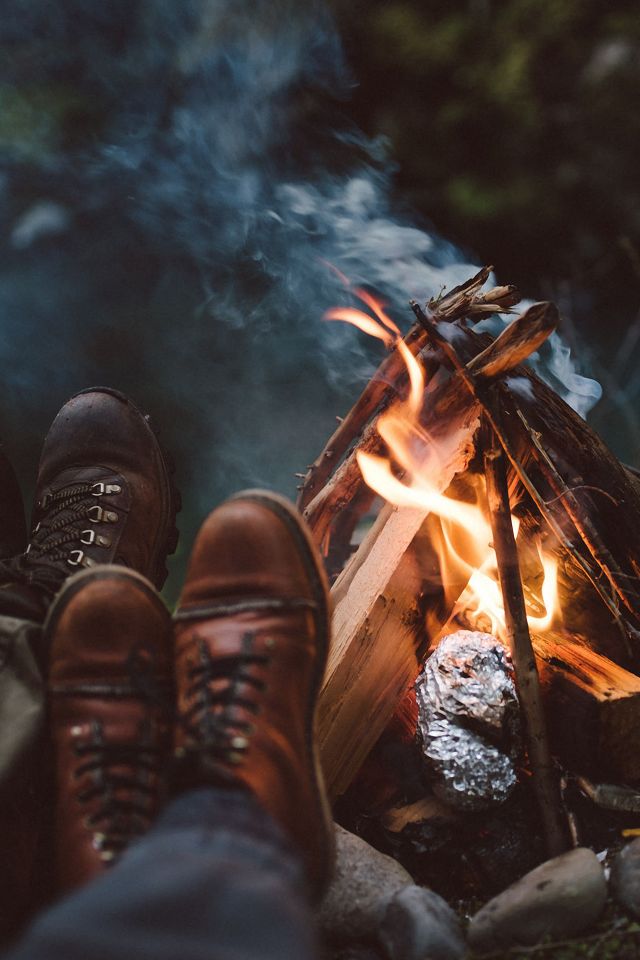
x,y
110,686
252,632
103,495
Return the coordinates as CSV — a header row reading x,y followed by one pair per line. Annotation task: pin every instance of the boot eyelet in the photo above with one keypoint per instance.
x,y
97,489
88,537
75,558
98,839
95,513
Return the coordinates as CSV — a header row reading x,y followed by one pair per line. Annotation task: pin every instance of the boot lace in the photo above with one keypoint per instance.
x,y
68,517
217,687
123,787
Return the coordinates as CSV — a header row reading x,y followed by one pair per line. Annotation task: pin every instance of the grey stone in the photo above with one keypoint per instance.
x,y
363,883
559,899
420,925
625,877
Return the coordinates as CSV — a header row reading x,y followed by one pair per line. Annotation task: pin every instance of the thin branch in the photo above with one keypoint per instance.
x,y
546,784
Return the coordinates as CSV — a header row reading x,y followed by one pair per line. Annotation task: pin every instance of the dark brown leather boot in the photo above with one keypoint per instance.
x,y
252,632
103,495
110,688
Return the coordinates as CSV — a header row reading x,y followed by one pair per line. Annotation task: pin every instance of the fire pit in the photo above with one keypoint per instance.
x,y
499,510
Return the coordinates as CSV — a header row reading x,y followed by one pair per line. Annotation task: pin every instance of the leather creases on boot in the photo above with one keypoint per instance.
x,y
104,494
111,691
251,644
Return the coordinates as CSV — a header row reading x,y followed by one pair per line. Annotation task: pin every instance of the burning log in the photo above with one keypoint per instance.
x,y
353,710
463,301
333,495
517,628
597,520
521,338
567,483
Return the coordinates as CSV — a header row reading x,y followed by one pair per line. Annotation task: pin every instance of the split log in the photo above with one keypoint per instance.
x,y
592,707
366,679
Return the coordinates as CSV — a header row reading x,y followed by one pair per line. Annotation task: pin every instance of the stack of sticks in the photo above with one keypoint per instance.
x,y
479,402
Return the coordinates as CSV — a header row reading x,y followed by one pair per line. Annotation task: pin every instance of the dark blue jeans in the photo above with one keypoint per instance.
x,y
214,880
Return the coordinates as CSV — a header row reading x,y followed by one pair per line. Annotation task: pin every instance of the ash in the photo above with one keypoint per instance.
x,y
468,719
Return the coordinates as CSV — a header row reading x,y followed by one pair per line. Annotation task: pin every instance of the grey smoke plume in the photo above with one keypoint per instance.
x,y
176,177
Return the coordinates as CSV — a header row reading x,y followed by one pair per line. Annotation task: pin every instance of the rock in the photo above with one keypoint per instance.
x,y
420,925
625,877
364,882
559,899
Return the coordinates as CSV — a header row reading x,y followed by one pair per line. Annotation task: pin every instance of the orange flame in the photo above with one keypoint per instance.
x,y
383,327
404,478
361,320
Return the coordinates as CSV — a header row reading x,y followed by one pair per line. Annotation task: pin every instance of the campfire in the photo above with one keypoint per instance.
x,y
501,546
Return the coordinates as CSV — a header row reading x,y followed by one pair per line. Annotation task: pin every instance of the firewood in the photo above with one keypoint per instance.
x,y
613,796
523,336
545,782
587,497
355,703
592,707
465,300
367,677
514,344
387,381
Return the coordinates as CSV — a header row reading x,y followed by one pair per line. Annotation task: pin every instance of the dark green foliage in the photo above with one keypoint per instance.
x,y
515,128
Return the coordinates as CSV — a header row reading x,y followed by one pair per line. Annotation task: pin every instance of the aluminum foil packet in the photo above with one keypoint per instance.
x,y
469,720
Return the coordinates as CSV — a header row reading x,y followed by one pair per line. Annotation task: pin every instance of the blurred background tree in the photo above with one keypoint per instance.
x,y
515,129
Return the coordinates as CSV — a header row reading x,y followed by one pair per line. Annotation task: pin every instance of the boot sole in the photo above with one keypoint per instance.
x,y
292,519
167,540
